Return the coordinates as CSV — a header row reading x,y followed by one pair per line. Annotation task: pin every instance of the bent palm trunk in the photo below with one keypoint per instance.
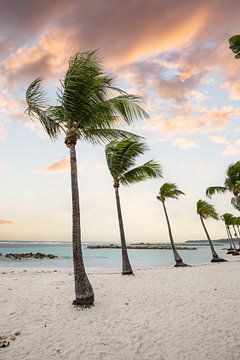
x,y
230,241
215,257
126,266
83,289
234,252
237,238
177,257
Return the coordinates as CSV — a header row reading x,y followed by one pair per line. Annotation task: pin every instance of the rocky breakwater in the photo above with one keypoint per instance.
x,y
140,247
38,255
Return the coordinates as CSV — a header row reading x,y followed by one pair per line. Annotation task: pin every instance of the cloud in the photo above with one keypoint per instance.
x,y
188,119
232,148
48,57
2,133
100,166
218,139
2,167
61,165
185,144
6,222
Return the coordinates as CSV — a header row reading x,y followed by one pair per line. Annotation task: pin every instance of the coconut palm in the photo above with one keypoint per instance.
x,y
121,158
170,191
228,220
206,210
234,43
235,222
89,106
231,183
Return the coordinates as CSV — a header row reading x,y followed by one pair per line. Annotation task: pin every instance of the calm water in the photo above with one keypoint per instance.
x,y
102,258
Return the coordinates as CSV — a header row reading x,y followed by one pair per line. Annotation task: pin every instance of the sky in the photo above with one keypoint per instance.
x,y
175,55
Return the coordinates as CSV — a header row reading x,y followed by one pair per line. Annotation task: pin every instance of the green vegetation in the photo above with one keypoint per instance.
x,y
121,158
170,191
205,211
89,107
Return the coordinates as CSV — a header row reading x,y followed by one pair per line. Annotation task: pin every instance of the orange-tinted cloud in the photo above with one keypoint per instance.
x,y
61,165
6,222
188,119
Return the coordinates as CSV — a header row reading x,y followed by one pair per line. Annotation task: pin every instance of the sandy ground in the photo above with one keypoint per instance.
x,y
170,314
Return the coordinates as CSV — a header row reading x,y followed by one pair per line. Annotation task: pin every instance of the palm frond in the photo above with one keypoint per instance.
x,y
212,190
127,107
38,109
35,97
99,136
206,210
234,43
85,95
149,170
228,219
121,155
169,190
235,201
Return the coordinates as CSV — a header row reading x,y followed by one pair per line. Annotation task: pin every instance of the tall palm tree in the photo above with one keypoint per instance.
x,y
89,106
170,191
231,220
234,43
121,158
227,221
206,210
231,183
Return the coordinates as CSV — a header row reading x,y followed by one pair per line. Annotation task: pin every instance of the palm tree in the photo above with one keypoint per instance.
x,y
231,183
89,106
231,220
170,191
227,220
234,43
206,210
121,158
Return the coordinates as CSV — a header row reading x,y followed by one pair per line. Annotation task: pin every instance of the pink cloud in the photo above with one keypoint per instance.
x,y
6,222
61,165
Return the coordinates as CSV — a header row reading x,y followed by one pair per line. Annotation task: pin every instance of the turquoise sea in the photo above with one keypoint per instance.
x,y
102,258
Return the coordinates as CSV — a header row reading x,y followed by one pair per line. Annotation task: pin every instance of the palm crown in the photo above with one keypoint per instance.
x,y
234,43
206,210
229,219
169,190
88,103
121,157
231,183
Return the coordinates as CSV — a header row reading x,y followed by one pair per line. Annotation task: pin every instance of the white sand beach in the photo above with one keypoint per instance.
x,y
158,314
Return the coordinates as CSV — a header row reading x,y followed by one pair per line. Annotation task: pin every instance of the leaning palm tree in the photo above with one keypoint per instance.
x,y
231,220
227,218
89,106
170,191
231,183
206,210
121,158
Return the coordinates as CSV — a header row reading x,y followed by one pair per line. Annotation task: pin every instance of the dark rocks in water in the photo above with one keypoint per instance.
x,y
141,246
30,255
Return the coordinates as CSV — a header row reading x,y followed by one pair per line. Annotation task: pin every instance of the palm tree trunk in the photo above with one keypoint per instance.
x,y
230,234
83,289
229,238
177,257
237,238
215,256
126,266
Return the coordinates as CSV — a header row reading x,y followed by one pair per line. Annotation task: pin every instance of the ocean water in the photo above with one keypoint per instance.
x,y
102,258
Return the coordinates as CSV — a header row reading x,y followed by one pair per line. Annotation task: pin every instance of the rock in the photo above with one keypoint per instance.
x,y
30,255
